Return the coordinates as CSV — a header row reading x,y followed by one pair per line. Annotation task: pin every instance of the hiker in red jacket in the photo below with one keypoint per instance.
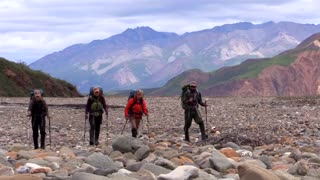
x,y
134,110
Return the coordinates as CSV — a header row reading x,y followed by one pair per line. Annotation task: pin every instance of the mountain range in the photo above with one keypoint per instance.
x,y
295,72
144,58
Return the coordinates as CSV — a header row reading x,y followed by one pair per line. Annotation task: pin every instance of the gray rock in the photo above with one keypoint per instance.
x,y
150,158
207,148
4,161
40,162
314,173
308,155
219,162
165,163
58,173
26,154
299,168
143,175
244,153
166,153
87,176
205,176
266,160
314,160
204,164
101,161
142,152
232,145
248,148
156,170
134,166
18,147
6,171
87,168
126,144
212,172
296,155
104,172
232,176
53,159
119,176
181,172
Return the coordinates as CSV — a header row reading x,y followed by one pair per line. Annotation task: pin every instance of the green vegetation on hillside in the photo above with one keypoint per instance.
x,y
17,79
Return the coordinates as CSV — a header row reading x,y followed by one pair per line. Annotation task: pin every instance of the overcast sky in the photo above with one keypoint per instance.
x,y
31,29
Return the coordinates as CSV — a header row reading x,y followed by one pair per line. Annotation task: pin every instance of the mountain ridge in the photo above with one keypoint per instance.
x,y
143,57
294,72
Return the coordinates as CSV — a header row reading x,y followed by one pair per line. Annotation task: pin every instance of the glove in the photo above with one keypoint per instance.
x,y
126,117
86,116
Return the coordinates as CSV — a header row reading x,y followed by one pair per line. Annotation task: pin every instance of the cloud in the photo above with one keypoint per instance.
x,y
31,29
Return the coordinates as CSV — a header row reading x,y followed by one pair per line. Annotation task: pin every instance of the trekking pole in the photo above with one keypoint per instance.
x,y
124,126
28,131
206,111
49,118
107,128
148,124
84,131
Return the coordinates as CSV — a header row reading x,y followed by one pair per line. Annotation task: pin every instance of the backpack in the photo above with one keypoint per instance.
x,y
91,90
96,106
32,93
131,95
184,89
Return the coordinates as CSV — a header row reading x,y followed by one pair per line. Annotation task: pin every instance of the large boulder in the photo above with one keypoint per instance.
x,y
251,171
126,144
101,161
181,172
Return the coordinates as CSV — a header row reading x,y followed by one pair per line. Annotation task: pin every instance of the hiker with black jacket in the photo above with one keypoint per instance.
x,y
134,110
191,100
96,104
38,109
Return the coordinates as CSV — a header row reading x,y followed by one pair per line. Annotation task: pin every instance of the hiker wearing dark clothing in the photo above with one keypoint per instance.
x,y
134,110
191,100
38,109
96,104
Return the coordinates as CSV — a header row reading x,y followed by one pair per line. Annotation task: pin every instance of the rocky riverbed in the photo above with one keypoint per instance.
x,y
249,138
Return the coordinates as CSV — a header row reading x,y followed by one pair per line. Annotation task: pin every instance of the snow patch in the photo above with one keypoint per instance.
x,y
125,77
149,51
183,49
316,43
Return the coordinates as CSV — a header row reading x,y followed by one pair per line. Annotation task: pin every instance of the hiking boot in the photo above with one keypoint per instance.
x,y
91,143
204,137
134,132
186,139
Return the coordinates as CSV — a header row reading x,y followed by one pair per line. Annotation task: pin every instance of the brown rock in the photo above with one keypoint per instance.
x,y
20,177
13,155
40,170
229,152
181,160
253,172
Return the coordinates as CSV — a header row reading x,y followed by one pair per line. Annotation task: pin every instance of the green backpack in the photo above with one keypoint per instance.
x,y
184,89
96,106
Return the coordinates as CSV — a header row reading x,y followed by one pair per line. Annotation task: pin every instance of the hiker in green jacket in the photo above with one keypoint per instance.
x,y
191,100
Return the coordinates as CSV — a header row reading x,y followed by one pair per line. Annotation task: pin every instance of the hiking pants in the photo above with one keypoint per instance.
x,y
95,123
189,114
38,123
135,123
